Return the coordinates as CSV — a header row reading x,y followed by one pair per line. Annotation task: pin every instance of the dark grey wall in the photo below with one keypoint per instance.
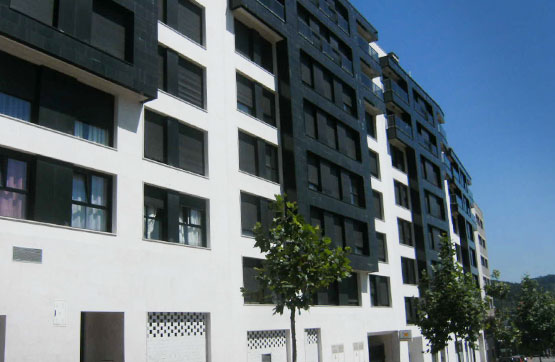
x,y
72,44
2,337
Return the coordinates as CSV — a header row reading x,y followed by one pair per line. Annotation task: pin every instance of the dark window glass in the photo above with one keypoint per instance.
x,y
15,107
401,195
348,144
435,206
317,218
405,232
190,82
41,10
458,252
345,292
338,233
191,149
13,187
379,291
268,107
313,173
324,84
382,247
190,20
250,213
398,159
359,239
243,41
306,70
254,293
310,120
349,100
330,180
155,137
330,131
370,124
378,204
435,237
431,172
245,95
355,190
248,154
90,201
154,214
411,305
162,10
162,69
271,163
374,164
112,29
409,270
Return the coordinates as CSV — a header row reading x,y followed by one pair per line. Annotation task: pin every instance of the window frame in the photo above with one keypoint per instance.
x,y
88,190
375,301
5,157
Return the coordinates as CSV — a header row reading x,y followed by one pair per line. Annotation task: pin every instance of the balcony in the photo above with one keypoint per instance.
x,y
276,7
429,146
396,122
423,111
397,92
373,87
370,56
442,132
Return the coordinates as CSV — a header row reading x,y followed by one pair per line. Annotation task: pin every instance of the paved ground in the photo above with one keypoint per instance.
x,y
537,359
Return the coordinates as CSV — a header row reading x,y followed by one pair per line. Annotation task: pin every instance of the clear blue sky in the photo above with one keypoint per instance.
x,y
490,64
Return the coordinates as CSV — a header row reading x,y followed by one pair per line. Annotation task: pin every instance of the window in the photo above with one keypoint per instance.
x,y
41,10
431,172
255,100
473,261
358,238
401,195
378,205
252,152
187,18
254,209
252,45
349,99
458,252
192,225
15,107
409,270
411,309
374,164
254,293
345,292
398,159
435,206
405,232
174,217
348,141
382,247
112,29
90,195
435,236
484,261
370,124
154,214
307,75
102,336
379,291
13,187
169,141
190,82
331,180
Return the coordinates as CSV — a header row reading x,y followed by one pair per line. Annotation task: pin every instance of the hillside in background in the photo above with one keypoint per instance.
x,y
547,282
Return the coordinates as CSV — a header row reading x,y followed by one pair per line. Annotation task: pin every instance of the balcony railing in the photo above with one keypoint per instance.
x,y
365,46
377,90
400,92
274,6
343,24
442,131
373,87
429,146
396,122
346,64
421,108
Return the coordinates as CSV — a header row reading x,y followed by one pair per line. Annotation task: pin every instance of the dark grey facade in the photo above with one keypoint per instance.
x,y
116,40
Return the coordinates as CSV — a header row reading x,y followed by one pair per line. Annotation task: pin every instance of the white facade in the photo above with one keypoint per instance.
x,y
121,271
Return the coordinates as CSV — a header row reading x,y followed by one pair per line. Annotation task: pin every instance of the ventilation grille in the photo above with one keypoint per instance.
x,y
358,346
337,348
27,255
266,339
165,325
311,336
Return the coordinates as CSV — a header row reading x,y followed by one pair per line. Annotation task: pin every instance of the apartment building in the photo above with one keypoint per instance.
x,y
142,140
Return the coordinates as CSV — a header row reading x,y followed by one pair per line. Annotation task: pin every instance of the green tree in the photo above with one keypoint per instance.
x,y
499,323
299,261
535,318
450,302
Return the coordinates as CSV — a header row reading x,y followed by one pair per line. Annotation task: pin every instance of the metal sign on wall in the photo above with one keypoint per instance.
x,y
405,335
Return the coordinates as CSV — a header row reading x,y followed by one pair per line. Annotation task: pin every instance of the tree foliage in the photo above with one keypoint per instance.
x,y
450,302
535,318
299,261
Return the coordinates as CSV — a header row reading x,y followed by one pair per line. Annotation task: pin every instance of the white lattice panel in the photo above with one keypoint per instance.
x,y
261,343
176,337
312,345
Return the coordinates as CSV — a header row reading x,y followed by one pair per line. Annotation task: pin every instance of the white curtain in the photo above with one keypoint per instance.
x,y
17,174
190,227
91,133
98,191
79,190
15,107
152,224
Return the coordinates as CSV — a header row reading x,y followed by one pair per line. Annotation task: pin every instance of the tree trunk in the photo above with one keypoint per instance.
x,y
293,335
